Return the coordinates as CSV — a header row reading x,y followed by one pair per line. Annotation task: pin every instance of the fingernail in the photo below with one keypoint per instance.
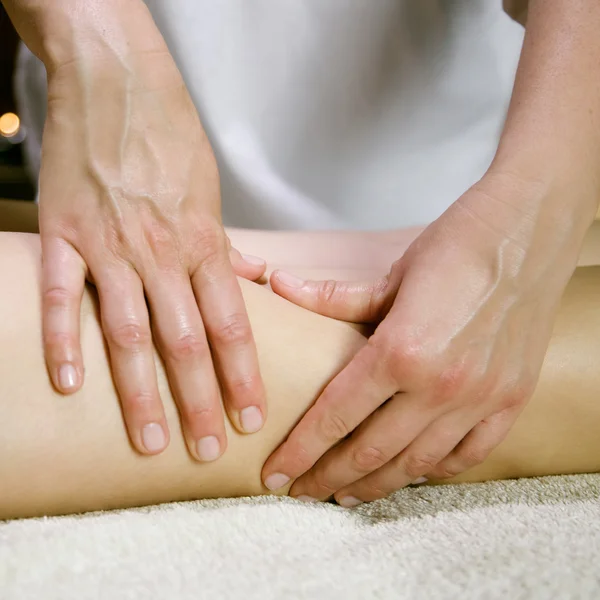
x,y
349,502
419,480
289,279
253,260
251,419
276,481
208,448
305,498
67,376
153,437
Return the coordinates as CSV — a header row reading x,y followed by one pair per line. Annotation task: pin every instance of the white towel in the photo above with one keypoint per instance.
x,y
535,538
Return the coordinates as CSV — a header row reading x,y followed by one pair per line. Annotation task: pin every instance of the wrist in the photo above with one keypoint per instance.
x,y
92,30
548,174
559,207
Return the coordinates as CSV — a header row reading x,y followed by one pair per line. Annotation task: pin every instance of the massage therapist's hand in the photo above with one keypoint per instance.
x,y
462,321
129,199
464,317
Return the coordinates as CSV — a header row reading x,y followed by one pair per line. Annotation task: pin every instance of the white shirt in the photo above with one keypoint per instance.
x,y
367,114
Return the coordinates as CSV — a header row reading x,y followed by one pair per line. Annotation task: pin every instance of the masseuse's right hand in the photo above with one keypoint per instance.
x,y
129,199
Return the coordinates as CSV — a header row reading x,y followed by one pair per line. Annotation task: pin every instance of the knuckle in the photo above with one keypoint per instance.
x,y
129,336
415,465
246,387
56,340
57,297
517,397
408,361
451,380
195,413
298,459
159,239
368,459
209,242
328,290
233,331
116,239
403,354
445,387
333,427
139,403
186,346
473,455
322,484
447,471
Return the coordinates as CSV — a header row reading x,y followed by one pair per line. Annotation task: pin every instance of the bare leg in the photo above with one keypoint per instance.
x,y
71,454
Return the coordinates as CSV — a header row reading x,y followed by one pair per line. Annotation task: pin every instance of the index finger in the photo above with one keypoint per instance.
x,y
359,389
226,321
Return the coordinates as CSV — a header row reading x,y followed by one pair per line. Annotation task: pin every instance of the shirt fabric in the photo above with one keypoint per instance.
x,y
329,114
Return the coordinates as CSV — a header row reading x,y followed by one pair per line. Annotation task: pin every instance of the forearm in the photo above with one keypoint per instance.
x,y
68,30
552,133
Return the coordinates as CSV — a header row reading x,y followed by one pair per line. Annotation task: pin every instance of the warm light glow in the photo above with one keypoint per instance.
x,y
9,124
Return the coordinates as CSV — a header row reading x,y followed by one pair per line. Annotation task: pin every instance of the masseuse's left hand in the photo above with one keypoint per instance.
x,y
462,325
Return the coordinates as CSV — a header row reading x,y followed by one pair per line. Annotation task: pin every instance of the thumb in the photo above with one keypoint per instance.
x,y
357,302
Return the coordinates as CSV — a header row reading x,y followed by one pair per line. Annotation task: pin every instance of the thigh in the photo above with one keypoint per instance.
x,y
71,453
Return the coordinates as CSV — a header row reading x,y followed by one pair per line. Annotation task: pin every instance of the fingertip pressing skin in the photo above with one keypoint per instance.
x,y
251,419
276,481
67,378
149,438
206,439
154,439
208,448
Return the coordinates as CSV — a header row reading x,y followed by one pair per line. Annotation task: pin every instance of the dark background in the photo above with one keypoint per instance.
x,y
14,182
8,46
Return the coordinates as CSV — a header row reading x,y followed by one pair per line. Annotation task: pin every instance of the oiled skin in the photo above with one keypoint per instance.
x,y
71,454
